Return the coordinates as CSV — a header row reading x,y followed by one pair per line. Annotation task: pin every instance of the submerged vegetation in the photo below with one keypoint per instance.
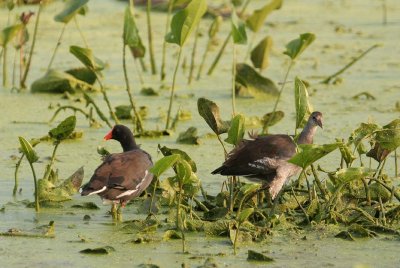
x,y
356,192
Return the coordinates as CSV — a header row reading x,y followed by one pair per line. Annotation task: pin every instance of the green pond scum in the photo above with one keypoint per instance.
x,y
191,79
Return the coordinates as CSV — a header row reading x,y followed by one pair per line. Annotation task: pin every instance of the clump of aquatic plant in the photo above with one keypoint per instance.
x,y
183,24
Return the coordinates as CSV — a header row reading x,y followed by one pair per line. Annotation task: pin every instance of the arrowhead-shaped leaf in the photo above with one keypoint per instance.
x,y
185,22
85,55
302,104
8,33
131,35
260,54
236,130
295,47
389,136
64,129
210,112
256,20
353,173
28,150
72,8
244,214
163,164
255,83
309,153
238,30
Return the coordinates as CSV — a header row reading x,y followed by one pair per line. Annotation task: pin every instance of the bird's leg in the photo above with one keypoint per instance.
x,y
119,213
275,204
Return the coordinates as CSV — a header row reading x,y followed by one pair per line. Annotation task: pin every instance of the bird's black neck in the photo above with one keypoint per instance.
x,y
128,143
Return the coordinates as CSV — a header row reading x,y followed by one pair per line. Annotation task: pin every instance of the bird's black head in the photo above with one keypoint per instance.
x,y
124,135
316,118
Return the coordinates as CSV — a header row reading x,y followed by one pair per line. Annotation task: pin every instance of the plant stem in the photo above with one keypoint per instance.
x,y
5,67
53,156
89,100
173,87
203,59
222,49
223,146
301,207
395,164
139,73
16,174
318,182
384,12
80,32
280,91
136,120
37,206
192,61
347,66
236,237
367,192
219,55
164,48
150,38
35,31
234,80
103,91
57,46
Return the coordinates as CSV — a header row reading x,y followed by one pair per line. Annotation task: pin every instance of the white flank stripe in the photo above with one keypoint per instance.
x,y
129,192
98,191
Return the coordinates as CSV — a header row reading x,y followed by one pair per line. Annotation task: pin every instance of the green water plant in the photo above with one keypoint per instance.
x,y
94,64
32,157
294,49
71,9
150,38
183,24
6,36
131,39
260,54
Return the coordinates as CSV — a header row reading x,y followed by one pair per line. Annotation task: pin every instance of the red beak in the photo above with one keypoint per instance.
x,y
108,135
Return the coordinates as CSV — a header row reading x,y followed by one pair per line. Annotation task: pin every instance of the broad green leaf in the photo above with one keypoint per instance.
x,y
276,117
10,5
260,54
214,27
28,150
353,173
72,7
210,112
378,153
8,33
237,3
389,136
85,55
236,130
216,213
131,35
183,170
163,164
84,74
302,104
64,129
256,20
238,30
185,22
309,153
168,151
254,82
295,47
346,153
244,214
249,188
55,82
363,131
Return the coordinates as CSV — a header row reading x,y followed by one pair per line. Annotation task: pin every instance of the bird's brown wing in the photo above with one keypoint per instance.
x,y
250,157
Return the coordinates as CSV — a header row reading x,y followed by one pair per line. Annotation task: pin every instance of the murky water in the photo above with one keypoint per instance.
x,y
358,26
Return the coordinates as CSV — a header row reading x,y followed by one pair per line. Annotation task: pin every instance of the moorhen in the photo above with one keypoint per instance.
x,y
264,159
121,176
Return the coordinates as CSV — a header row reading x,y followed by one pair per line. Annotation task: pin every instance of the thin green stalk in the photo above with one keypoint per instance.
x,y
280,91
139,73
80,32
222,49
383,214
16,174
319,184
203,59
367,192
192,61
178,217
53,156
236,237
248,51
396,174
219,55
150,38
57,46
5,82
37,206
164,48
103,91
301,207
89,100
136,120
173,88
384,12
14,68
234,80
223,146
143,64
347,66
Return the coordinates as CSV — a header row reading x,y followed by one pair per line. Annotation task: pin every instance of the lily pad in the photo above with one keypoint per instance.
x,y
98,251
55,82
257,256
189,137
255,83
